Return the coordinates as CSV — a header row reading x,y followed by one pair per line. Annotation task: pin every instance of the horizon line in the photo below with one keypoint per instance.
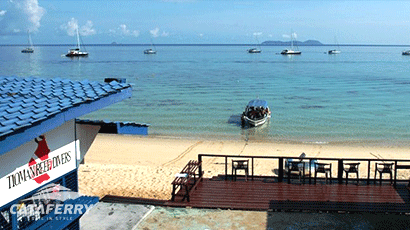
x,y
205,44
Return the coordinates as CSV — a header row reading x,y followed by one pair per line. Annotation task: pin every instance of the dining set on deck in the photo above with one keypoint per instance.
x,y
318,169
294,183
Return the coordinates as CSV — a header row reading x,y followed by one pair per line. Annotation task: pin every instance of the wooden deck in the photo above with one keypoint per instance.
x,y
265,194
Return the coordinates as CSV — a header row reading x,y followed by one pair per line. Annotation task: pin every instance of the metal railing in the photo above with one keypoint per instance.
x,y
311,160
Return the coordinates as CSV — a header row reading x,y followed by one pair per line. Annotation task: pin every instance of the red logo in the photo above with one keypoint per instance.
x,y
41,152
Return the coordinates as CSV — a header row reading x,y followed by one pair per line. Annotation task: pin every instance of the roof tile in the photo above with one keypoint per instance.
x,y
24,101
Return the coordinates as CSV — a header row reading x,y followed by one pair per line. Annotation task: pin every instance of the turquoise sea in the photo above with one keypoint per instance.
x,y
359,96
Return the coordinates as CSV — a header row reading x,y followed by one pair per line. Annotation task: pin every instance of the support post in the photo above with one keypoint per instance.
x,y
200,165
340,171
280,175
226,168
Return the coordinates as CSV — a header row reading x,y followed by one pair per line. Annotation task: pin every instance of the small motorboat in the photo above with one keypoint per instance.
x,y
406,52
150,51
254,50
256,113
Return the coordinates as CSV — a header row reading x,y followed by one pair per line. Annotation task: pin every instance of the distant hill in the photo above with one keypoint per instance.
x,y
296,43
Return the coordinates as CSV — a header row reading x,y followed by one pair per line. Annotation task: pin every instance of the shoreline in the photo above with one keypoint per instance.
x,y
144,166
251,138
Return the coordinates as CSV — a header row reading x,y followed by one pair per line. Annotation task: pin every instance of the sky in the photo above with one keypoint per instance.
x,y
204,21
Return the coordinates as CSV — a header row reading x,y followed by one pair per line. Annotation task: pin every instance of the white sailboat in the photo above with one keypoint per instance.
x,y
76,52
291,51
335,51
28,49
255,50
151,51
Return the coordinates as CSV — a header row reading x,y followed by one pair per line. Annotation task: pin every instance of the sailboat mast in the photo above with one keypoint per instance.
x,y
78,39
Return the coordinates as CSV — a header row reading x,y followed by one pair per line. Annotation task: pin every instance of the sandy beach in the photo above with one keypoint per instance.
x,y
144,166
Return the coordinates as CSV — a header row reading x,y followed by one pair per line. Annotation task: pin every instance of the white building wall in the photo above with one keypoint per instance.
x,y
18,178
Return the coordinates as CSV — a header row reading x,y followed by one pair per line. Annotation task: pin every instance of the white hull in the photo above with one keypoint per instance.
x,y
256,122
290,52
254,51
333,52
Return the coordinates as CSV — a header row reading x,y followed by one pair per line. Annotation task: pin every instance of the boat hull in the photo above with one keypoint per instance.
x,y
76,55
290,52
333,52
255,122
27,51
407,52
150,52
254,51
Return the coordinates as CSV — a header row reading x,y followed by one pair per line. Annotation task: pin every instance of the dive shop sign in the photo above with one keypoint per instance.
x,y
43,167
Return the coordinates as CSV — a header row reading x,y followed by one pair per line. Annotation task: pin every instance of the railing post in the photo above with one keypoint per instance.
x,y
310,171
252,168
395,173
226,167
200,165
368,172
280,175
340,171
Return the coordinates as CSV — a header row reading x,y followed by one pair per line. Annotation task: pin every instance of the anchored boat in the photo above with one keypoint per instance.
x,y
256,113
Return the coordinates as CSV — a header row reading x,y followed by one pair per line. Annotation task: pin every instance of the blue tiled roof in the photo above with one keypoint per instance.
x,y
24,102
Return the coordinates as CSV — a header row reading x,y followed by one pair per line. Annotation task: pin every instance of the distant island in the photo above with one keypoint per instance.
x,y
296,43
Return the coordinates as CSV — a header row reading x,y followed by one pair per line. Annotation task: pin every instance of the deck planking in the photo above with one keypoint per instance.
x,y
270,195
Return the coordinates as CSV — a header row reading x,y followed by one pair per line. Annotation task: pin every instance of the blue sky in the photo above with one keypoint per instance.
x,y
204,21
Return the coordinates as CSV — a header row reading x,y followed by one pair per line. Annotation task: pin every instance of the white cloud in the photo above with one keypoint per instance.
x,y
71,28
123,30
201,35
135,33
257,34
21,16
285,36
154,32
87,29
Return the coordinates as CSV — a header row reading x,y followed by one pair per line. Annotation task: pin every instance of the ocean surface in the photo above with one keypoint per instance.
x,y
361,96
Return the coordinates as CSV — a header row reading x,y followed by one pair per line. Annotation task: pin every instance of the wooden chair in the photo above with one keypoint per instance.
x,y
325,168
353,168
296,166
240,165
384,168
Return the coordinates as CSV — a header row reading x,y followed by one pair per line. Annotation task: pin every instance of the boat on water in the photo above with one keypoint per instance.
x,y
28,49
335,51
255,50
151,50
406,52
291,51
256,113
76,52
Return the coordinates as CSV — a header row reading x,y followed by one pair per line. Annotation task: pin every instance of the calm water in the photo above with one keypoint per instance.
x,y
360,95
